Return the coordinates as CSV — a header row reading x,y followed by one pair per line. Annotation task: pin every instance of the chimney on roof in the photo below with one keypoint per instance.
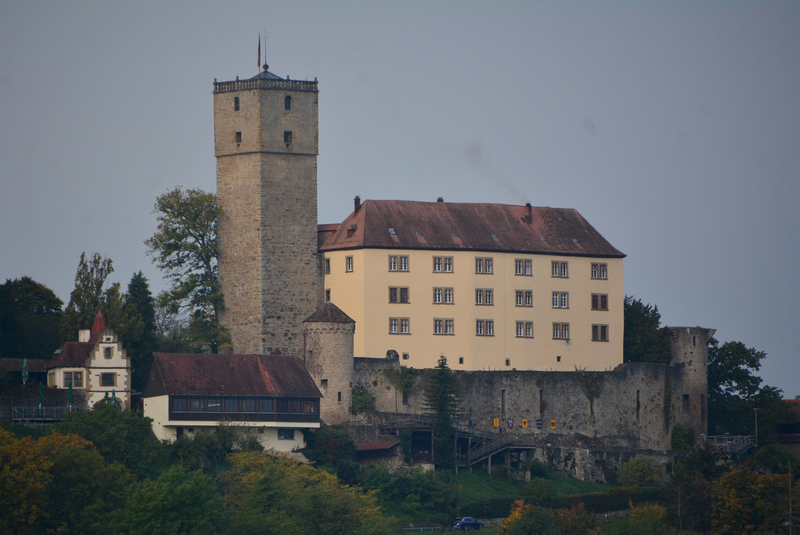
x,y
440,199
528,213
356,203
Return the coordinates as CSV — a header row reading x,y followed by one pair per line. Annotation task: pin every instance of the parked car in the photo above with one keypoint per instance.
x,y
466,523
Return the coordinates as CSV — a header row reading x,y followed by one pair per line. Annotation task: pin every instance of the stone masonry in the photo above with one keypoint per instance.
x,y
266,143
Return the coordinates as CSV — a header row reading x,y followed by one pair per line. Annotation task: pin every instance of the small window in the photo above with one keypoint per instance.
x,y
561,269
484,265
180,404
461,360
599,271
391,231
327,266
327,295
77,379
287,103
348,264
560,299
558,359
108,352
236,104
561,331
285,434
599,302
67,378
108,379
406,356
508,362
287,138
524,329
600,333
484,328
238,137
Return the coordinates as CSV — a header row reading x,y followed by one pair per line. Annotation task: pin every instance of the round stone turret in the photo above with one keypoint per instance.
x,y
328,357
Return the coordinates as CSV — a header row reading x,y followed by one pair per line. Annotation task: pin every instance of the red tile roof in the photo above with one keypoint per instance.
x,y
229,375
73,354
329,313
99,324
470,226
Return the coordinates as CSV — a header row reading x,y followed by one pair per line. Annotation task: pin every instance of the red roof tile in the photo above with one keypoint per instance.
x,y
470,226
73,354
329,313
229,375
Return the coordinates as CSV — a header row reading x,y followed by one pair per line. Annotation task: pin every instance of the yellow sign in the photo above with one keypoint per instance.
x,y
552,424
524,423
497,422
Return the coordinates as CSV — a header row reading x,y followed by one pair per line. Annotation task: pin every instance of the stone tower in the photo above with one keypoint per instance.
x,y
266,139
328,357
689,348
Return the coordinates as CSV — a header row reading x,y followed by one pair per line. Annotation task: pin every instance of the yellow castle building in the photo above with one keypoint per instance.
x,y
490,286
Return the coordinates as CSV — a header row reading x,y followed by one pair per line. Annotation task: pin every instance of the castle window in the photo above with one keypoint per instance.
x,y
238,137
443,326
448,326
405,356
108,352
523,267
348,264
442,264
508,362
236,104
524,329
484,296
108,379
560,299
599,333
483,265
327,295
398,295
287,103
287,138
599,302
558,359
285,434
599,271
448,296
561,331
484,328
561,269
443,295
448,264
398,263
327,266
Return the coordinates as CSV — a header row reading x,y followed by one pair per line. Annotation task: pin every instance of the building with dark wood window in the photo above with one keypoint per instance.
x,y
271,396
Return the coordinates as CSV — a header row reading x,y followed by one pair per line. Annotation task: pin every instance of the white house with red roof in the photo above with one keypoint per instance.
x,y
95,365
271,396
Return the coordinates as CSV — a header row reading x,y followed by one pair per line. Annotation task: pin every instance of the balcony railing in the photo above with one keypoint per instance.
x,y
261,83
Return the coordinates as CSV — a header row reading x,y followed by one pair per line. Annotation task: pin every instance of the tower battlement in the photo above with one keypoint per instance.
x,y
265,83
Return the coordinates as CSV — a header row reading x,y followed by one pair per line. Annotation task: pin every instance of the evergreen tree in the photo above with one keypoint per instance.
x,y
139,303
441,399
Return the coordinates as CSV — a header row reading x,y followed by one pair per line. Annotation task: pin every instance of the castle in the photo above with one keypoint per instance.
x,y
517,290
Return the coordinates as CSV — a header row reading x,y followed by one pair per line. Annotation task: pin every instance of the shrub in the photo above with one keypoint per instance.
x,y
682,438
362,399
641,472
539,489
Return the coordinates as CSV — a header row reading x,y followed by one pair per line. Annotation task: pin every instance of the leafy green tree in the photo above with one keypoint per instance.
x,y
139,304
441,400
647,519
744,501
526,519
119,436
644,339
409,492
178,502
682,438
691,484
734,391
185,248
208,449
266,495
30,314
361,399
334,450
88,295
642,471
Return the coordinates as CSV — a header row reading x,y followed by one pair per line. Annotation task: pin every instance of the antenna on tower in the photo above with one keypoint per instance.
x,y
265,49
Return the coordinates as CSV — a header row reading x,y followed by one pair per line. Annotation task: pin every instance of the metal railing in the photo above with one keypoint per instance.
x,y
41,414
732,445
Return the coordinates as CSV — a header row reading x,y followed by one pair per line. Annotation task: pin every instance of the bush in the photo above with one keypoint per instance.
x,y
540,489
361,399
682,438
641,472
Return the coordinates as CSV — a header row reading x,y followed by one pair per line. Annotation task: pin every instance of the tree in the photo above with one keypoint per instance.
x,y
119,436
267,495
29,319
744,501
691,484
87,297
185,248
139,303
526,519
640,472
644,340
734,391
441,400
177,502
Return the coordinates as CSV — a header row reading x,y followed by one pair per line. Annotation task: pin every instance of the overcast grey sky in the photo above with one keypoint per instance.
x,y
673,127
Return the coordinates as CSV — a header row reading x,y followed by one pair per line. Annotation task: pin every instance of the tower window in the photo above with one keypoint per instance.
x,y
238,137
236,104
287,103
287,138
